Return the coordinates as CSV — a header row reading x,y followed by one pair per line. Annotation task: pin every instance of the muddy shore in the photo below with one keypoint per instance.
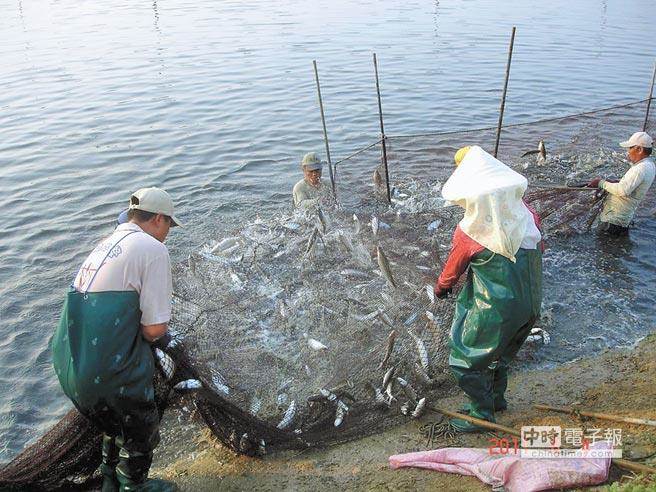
x,y
619,381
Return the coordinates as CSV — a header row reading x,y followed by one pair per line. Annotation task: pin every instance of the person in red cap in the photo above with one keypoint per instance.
x,y
625,196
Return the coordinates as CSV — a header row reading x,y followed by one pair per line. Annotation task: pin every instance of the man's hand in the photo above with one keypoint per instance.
x,y
441,293
594,183
153,332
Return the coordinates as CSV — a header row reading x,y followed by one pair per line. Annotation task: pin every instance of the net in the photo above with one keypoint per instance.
x,y
312,327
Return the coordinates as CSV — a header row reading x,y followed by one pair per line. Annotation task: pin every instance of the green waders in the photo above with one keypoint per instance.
x,y
494,314
106,368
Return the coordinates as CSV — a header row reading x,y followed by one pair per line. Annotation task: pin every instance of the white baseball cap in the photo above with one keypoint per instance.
x,y
154,200
638,139
311,162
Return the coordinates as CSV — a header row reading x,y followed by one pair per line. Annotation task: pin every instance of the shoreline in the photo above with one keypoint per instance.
x,y
618,381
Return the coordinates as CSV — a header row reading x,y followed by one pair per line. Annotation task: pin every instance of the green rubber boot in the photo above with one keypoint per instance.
x,y
108,465
478,387
499,386
132,474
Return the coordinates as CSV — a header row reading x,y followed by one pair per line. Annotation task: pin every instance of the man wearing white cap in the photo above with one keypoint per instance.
x,y
307,190
120,303
624,197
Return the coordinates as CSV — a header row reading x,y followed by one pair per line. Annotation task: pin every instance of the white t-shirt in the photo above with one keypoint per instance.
x,y
139,263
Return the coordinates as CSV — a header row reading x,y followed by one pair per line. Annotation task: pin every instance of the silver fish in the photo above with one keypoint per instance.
x,y
356,223
422,375
385,318
313,239
285,384
244,443
224,245
314,344
388,300
405,408
541,151
383,225
165,363
419,409
431,317
430,292
328,394
388,391
380,398
374,224
188,385
421,350
219,383
322,219
288,417
262,447
283,309
423,268
281,399
256,404
388,376
341,411
407,389
384,266
391,338
432,227
378,179
350,272
367,317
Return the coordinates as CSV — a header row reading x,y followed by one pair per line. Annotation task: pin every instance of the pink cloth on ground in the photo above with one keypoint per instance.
x,y
514,473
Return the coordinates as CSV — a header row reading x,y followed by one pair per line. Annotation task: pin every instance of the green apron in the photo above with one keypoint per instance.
x,y
99,354
499,299
100,357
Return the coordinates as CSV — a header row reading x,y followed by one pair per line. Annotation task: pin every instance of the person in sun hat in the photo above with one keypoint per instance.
x,y
307,191
118,306
625,196
499,243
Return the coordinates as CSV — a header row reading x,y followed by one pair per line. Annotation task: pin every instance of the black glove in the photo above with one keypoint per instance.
x,y
162,342
442,293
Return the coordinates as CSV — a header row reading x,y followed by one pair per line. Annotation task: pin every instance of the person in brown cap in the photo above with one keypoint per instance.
x,y
306,192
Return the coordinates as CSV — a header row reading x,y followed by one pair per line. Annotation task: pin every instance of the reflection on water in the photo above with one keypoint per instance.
x,y
215,102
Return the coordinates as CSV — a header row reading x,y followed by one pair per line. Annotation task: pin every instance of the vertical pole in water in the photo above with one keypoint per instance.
x,y
325,132
382,131
651,92
505,89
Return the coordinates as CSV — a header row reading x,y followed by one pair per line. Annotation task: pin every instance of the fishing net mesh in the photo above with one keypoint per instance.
x,y
317,326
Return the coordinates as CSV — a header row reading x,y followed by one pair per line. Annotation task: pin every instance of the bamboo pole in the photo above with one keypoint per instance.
x,y
505,90
325,132
651,92
382,131
597,415
621,463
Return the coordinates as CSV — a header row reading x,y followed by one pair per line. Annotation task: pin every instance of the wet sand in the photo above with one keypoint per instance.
x,y
617,381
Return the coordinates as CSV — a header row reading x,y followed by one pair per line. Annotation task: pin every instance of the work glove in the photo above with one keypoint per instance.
x,y
594,183
441,293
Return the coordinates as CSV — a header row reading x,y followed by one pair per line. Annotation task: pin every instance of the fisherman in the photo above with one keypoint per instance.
x,y
624,196
306,192
500,242
118,305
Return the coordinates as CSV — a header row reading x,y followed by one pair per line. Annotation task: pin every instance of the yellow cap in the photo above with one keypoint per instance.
x,y
460,155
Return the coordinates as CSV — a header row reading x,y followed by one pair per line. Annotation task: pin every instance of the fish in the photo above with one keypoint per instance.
x,y
281,399
236,280
346,242
378,179
374,224
391,338
220,384
388,300
357,225
285,385
422,375
433,226
288,417
165,363
538,334
421,349
262,447
430,292
379,397
423,268
322,219
188,385
405,408
383,225
340,413
382,315
314,344
407,389
350,272
283,309
256,404
419,409
541,151
387,378
384,266
329,395
367,317
244,443
311,242
307,371
192,264
431,317
412,318
224,245
388,392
